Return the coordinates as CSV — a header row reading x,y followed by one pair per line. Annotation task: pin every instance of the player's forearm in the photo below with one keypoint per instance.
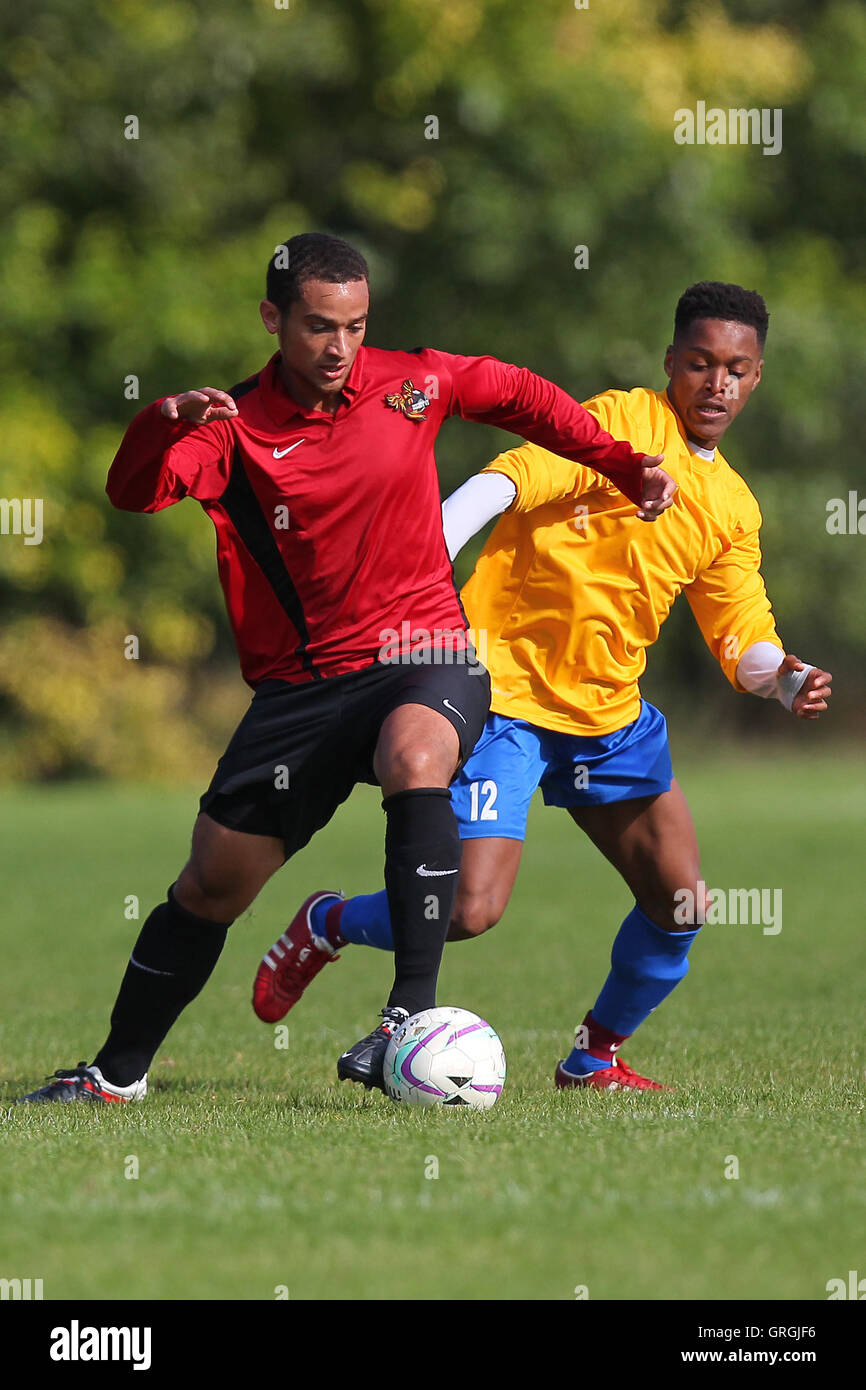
x,y
483,497
548,416
758,672
541,412
140,479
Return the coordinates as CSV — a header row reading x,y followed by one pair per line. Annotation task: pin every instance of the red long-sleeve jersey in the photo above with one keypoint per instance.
x,y
329,527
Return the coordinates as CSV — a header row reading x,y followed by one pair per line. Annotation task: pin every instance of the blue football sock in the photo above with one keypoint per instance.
x,y
318,914
647,962
579,1062
364,921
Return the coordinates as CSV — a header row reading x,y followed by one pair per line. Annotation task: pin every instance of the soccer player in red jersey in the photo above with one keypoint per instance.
x,y
319,476
571,593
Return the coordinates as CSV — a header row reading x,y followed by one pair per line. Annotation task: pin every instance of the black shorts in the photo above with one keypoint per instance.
x,y
300,749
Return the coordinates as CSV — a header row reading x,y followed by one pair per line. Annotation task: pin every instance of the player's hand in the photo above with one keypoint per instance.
x,y
811,699
658,488
200,407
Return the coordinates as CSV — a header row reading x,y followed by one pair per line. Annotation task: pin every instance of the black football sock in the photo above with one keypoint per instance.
x,y
422,864
170,963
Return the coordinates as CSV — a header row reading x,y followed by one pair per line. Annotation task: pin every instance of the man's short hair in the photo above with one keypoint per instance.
x,y
311,256
711,299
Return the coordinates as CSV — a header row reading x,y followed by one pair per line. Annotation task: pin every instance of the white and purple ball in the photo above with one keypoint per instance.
x,y
445,1056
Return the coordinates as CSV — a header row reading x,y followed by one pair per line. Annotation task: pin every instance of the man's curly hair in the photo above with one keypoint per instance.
x,y
711,299
311,256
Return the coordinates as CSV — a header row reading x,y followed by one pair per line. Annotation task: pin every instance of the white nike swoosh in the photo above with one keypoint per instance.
x,y
148,968
434,873
448,705
281,453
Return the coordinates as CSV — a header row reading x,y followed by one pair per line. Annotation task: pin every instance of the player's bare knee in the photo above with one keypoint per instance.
x,y
413,766
472,917
206,897
677,901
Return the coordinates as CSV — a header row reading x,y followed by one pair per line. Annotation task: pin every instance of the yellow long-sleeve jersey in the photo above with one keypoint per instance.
x,y
571,588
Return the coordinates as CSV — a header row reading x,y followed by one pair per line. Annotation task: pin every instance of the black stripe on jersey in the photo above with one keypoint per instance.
x,y
244,510
244,387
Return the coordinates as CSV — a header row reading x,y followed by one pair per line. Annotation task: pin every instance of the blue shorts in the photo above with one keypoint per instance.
x,y
491,796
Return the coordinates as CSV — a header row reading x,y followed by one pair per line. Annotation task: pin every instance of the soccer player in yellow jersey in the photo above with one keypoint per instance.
x,y
569,592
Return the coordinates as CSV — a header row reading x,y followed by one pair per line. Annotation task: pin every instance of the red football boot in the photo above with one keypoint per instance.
x,y
619,1077
293,961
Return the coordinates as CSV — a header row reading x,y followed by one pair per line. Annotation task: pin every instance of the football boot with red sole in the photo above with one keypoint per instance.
x,y
619,1077
293,961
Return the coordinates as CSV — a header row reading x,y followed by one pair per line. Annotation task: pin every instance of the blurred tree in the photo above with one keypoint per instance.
x,y
157,154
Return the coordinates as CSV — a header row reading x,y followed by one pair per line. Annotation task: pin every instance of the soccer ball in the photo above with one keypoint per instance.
x,y
445,1056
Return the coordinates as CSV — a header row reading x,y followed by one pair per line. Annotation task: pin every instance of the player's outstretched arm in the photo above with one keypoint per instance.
x,y
498,393
178,447
489,494
732,609
801,688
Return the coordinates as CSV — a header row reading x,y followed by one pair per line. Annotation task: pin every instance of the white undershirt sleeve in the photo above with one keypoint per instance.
x,y
757,671
474,504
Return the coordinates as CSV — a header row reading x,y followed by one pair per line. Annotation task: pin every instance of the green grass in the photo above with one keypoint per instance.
x,y
257,1169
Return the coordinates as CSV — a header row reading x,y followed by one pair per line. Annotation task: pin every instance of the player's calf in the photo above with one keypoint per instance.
x,y
226,870
488,869
471,917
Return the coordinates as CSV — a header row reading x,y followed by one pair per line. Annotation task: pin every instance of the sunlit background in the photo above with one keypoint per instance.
x,y
137,264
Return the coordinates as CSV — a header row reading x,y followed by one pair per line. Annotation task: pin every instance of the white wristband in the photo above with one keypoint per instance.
x,y
757,672
790,682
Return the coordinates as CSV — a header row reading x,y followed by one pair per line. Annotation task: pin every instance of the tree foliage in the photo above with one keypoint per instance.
x,y
467,148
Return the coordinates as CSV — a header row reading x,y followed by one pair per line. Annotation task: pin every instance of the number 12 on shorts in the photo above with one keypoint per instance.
x,y
483,809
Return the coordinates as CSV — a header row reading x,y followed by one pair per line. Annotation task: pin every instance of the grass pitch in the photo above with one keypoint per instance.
x,y
260,1176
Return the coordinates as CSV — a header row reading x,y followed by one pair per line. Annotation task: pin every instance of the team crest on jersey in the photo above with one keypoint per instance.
x,y
410,401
